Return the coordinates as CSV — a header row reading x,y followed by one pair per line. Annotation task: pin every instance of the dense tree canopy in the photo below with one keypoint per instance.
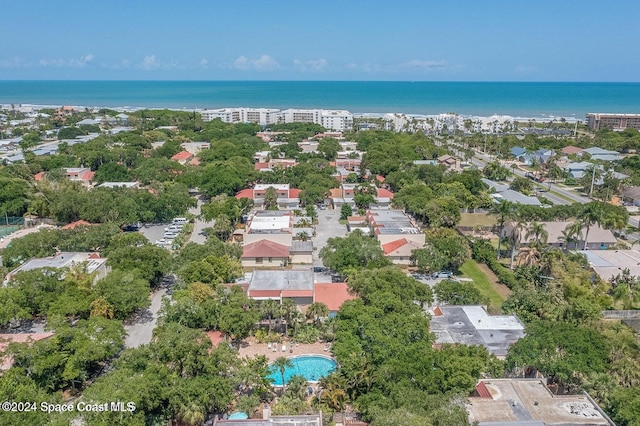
x,y
357,250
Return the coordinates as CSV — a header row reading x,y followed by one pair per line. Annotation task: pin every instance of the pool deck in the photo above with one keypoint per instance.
x,y
250,349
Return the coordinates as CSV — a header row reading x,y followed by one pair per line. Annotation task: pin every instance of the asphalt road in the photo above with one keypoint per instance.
x,y
481,159
198,225
140,331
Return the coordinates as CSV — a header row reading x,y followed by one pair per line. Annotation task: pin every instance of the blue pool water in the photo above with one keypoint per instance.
x,y
238,415
311,367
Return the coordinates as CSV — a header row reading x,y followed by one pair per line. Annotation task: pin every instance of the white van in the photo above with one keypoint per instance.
x,y
180,220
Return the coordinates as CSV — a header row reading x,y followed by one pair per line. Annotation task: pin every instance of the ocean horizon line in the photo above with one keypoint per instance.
x,y
321,81
522,99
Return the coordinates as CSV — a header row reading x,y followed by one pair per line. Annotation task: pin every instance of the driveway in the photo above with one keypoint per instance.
x,y
327,227
140,327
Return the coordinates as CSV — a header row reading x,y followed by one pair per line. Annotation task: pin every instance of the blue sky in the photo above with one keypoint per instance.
x,y
465,40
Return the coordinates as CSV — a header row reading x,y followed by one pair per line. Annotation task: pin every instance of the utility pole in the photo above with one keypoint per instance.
x,y
593,178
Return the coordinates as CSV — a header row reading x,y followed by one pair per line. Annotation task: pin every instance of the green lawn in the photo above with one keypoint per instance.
x,y
477,219
470,270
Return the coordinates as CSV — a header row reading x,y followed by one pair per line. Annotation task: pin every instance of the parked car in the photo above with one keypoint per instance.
x,y
131,227
174,228
170,235
162,241
442,274
534,177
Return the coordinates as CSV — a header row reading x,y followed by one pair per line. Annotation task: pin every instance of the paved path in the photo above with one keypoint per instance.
x,y
141,332
4,241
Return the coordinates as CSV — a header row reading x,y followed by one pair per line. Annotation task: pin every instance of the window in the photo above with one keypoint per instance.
x,y
258,260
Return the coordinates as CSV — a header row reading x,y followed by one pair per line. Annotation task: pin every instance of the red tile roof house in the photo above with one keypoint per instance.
x,y
5,339
297,285
265,254
569,150
400,251
183,157
288,198
77,223
332,294
346,193
81,174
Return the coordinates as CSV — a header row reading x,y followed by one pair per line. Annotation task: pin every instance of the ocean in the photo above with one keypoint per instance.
x,y
569,100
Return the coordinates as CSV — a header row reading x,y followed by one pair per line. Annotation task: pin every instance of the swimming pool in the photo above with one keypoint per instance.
x,y
311,367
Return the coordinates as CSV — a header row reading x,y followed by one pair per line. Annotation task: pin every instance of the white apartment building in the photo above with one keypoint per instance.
x,y
262,116
338,120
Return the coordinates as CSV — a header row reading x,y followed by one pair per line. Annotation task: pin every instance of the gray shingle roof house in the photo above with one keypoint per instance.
x,y
632,195
598,237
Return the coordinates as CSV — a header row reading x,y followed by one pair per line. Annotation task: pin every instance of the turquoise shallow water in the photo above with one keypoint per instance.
x,y
468,98
311,367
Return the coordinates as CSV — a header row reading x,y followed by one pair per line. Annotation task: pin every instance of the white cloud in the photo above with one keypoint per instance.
x,y
412,65
82,61
419,64
51,62
314,65
149,62
367,67
13,62
204,63
263,63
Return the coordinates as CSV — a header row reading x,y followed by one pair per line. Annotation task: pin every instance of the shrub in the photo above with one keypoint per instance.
x,y
307,334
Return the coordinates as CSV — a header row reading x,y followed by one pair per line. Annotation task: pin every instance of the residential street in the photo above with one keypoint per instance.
x,y
198,225
481,159
140,331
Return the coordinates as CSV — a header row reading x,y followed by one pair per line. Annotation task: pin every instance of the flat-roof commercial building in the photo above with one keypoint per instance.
x,y
597,121
528,402
94,264
472,325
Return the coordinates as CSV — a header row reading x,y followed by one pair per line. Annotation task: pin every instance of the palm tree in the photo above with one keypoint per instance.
x,y
190,414
333,395
270,310
503,211
289,311
296,319
591,214
571,234
281,364
539,235
626,288
528,256
317,310
515,236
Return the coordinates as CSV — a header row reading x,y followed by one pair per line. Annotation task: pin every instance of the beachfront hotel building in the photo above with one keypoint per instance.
x,y
338,120
597,121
